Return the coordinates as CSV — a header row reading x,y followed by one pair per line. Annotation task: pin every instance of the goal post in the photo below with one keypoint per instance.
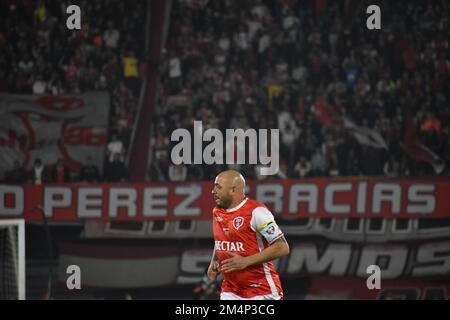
x,y
12,259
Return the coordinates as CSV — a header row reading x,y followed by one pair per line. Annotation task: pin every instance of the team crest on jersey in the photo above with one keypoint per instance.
x,y
237,222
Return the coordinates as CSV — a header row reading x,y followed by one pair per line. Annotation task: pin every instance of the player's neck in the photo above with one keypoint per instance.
x,y
236,202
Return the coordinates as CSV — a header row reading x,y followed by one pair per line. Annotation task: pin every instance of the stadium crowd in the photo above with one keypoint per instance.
x,y
40,55
313,70
348,101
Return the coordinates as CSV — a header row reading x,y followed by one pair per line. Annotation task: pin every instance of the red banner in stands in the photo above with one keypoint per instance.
x,y
306,198
70,127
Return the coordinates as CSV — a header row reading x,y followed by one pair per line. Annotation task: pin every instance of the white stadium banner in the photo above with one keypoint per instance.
x,y
71,127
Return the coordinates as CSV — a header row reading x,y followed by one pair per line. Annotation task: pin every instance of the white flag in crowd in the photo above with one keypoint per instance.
x,y
366,136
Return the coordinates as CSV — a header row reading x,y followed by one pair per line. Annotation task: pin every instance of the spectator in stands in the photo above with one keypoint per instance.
x,y
431,124
60,173
155,172
177,173
333,167
59,62
26,65
39,85
199,173
89,172
111,36
392,167
318,164
38,173
131,71
18,175
175,74
115,147
270,53
115,171
303,167
162,164
289,131
207,289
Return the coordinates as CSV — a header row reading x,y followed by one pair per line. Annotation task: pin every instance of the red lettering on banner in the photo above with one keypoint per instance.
x,y
60,103
85,136
11,140
10,200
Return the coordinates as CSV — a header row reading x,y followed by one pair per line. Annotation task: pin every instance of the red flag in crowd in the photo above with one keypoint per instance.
x,y
416,150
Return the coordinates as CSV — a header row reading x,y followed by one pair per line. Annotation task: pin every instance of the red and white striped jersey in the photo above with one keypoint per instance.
x,y
246,230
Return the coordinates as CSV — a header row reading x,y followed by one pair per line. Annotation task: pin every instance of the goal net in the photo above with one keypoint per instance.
x,y
12,260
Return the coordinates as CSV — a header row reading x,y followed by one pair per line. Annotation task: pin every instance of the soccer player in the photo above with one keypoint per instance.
x,y
246,240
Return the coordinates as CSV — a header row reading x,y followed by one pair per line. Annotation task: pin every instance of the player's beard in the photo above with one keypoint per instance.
x,y
225,201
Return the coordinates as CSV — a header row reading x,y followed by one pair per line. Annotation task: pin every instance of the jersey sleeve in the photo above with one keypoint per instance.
x,y
264,223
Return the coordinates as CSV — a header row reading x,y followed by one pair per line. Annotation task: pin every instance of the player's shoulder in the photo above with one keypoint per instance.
x,y
260,214
253,204
259,209
217,210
